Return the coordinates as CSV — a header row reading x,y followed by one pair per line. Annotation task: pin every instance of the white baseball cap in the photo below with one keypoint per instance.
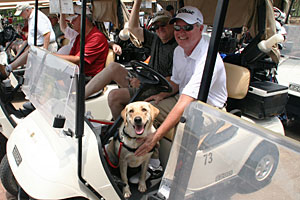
x,y
189,14
77,11
21,7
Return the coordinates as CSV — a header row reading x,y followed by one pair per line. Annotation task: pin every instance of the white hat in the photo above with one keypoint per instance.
x,y
77,10
21,7
189,14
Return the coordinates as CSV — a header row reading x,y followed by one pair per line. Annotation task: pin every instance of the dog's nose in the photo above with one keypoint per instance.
x,y
137,120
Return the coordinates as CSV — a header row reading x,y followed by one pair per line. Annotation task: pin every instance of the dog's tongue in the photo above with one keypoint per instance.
x,y
139,130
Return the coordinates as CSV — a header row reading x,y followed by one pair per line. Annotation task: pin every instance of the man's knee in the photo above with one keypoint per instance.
x,y
118,96
114,67
113,97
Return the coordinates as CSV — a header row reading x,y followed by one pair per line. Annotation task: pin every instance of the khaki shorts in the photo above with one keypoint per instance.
x,y
144,95
165,106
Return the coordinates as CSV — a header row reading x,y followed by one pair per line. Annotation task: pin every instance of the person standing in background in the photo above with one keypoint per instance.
x,y
45,36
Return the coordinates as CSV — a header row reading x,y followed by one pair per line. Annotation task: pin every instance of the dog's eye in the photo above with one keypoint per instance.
x,y
144,109
131,111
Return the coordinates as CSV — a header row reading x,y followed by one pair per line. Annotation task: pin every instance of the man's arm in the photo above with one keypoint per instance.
x,y
46,40
62,22
115,47
171,120
72,59
134,22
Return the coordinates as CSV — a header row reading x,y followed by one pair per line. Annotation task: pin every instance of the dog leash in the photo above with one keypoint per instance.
x,y
101,122
119,153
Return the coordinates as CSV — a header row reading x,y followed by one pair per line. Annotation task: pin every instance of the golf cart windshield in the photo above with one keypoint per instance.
x,y
50,85
213,154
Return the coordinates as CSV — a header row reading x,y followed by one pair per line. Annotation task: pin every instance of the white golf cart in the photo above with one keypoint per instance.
x,y
12,99
57,153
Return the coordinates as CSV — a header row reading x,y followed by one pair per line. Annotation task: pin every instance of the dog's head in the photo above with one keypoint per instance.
x,y
139,116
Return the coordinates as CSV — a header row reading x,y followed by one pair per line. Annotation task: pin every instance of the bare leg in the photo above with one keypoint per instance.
x,y
21,60
113,72
21,47
117,100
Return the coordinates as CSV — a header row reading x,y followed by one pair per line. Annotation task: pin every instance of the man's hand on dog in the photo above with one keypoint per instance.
x,y
147,146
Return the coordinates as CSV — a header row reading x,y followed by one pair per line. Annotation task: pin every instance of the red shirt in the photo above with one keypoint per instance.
x,y
95,51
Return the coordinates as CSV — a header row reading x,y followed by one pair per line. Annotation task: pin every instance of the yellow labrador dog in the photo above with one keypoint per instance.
x,y
138,122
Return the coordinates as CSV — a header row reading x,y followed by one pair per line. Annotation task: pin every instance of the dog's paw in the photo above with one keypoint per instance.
x,y
126,192
142,187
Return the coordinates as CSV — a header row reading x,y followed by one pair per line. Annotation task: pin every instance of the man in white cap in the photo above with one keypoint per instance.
x,y
188,64
45,33
45,36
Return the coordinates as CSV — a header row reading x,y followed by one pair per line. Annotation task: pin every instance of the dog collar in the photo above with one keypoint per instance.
x,y
126,134
127,147
124,145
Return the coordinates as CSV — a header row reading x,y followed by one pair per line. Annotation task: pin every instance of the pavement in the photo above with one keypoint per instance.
x,y
291,47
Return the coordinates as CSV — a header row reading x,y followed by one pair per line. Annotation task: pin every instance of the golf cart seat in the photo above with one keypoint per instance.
x,y
110,57
237,83
237,80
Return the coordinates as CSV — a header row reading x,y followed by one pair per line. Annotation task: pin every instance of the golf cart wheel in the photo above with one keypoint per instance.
x,y
7,178
260,167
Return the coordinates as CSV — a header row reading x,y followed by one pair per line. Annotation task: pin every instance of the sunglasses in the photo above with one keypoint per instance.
x,y
188,27
156,26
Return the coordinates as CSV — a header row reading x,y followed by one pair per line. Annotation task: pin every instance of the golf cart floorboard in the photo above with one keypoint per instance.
x,y
152,184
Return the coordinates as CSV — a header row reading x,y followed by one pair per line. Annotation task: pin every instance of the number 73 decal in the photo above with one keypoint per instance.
x,y
208,158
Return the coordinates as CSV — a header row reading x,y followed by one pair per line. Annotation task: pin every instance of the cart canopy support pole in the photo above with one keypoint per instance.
x,y
213,49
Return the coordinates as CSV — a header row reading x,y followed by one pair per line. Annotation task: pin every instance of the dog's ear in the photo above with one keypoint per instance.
x,y
154,111
123,115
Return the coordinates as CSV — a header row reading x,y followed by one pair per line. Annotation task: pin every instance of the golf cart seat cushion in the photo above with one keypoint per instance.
x,y
110,57
237,80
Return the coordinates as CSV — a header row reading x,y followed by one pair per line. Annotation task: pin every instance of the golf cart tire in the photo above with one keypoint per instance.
x,y
264,158
7,178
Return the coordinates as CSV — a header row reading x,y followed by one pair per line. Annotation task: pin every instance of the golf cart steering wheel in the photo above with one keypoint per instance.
x,y
148,76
